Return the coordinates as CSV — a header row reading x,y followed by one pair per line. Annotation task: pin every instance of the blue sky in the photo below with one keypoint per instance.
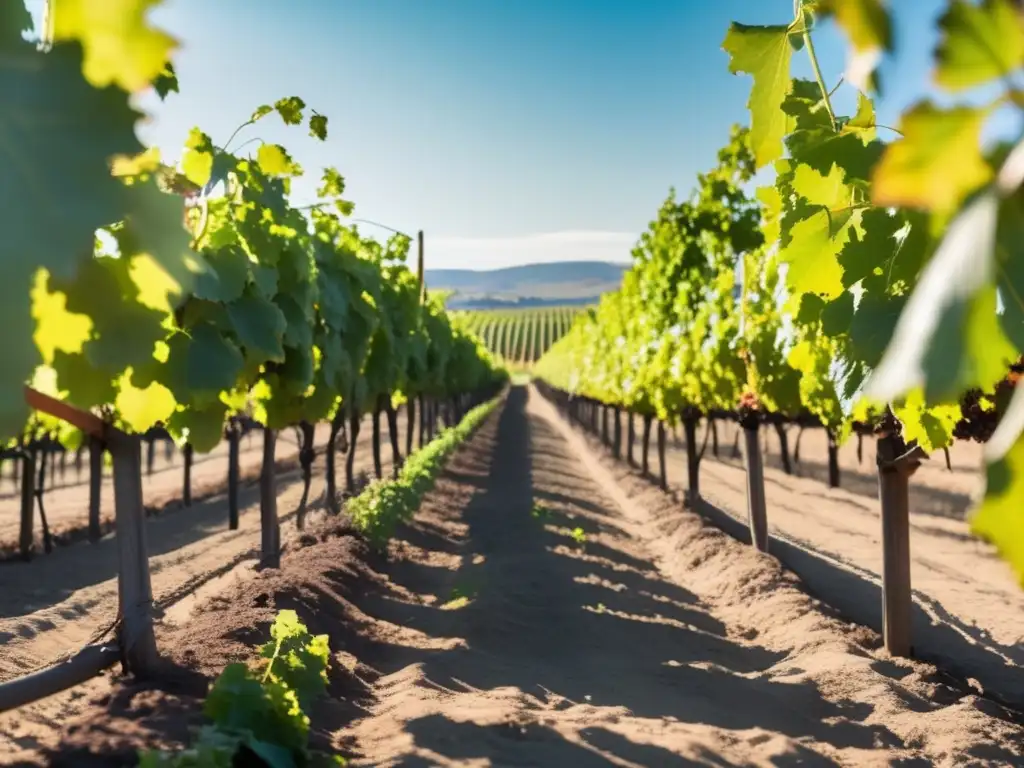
x,y
510,132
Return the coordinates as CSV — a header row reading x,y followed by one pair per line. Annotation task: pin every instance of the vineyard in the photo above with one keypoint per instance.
x,y
265,501
520,337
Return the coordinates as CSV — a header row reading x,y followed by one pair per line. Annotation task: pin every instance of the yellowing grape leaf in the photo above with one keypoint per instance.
x,y
937,163
1000,518
765,54
139,408
120,47
979,43
56,327
197,160
274,161
866,22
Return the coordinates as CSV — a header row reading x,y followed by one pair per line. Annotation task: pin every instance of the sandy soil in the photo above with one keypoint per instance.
x,y
492,634
969,608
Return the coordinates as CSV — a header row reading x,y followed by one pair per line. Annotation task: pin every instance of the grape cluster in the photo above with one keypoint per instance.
x,y
980,412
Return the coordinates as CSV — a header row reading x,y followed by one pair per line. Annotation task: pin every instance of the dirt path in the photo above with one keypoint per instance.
x,y
506,640
969,608
542,612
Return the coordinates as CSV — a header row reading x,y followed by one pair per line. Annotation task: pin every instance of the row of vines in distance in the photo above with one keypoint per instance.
x,y
520,336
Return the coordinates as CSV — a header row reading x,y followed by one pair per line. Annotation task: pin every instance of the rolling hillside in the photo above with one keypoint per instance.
x,y
530,285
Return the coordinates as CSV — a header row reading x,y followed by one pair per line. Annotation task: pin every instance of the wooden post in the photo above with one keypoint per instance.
x,y
135,591
96,449
690,419
26,536
186,491
895,466
233,469
270,553
663,470
757,514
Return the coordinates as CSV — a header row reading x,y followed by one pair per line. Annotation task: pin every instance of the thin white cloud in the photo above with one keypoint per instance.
x,y
497,252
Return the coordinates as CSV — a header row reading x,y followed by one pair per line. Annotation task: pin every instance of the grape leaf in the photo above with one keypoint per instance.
x,y
1000,518
765,54
227,278
202,427
197,160
166,82
57,329
141,408
14,19
120,47
948,337
812,256
60,134
318,127
260,326
85,384
290,108
979,43
865,21
937,163
274,161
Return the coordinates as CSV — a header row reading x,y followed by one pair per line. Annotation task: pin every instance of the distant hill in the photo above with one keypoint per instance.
x,y
529,285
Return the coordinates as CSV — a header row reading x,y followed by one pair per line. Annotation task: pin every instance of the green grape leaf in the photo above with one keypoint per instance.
x,y
166,82
948,338
318,127
862,124
261,112
60,134
812,256
201,365
298,659
937,163
153,225
765,54
202,427
20,355
931,427
197,160
260,327
979,43
872,325
86,385
14,19
1000,518
290,108
869,253
332,184
298,331
238,701
120,48
228,275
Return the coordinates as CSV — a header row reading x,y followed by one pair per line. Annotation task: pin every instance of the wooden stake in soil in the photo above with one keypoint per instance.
x,y
757,514
186,491
28,503
96,448
663,470
233,470
270,528
896,464
135,591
